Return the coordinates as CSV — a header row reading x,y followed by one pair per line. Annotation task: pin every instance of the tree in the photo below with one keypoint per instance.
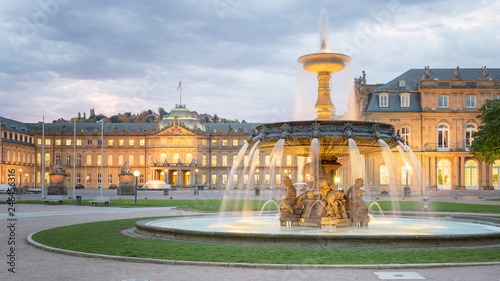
x,y
486,144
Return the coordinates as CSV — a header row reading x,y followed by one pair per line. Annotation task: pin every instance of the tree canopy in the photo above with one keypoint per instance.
x,y
486,144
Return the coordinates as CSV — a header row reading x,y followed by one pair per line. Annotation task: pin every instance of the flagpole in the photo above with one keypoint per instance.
x,y
74,159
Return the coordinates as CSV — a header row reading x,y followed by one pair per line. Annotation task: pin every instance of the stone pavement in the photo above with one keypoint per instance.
x,y
36,264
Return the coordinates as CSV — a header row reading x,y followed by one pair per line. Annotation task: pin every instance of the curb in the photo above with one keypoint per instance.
x,y
31,242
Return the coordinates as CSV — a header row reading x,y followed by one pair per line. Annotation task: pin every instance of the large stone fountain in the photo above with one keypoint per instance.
x,y
324,140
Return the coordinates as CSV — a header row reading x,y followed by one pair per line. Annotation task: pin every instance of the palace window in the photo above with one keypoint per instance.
x,y
443,141
224,160
256,158
110,178
495,172
120,160
268,160
470,102
256,179
203,160
99,159
176,158
235,179
68,160
214,142
79,142
245,179
405,100
444,174
203,142
268,178
99,142
214,179
78,159
383,100
142,160
224,178
469,130
235,142
189,158
89,178
47,159
403,175
58,158
58,142
405,135
142,142
224,142
443,101
47,141
131,160
121,142
89,142
384,174
78,178
470,174
131,142
278,178
289,160
68,142
141,178
214,160
99,178
110,160
110,142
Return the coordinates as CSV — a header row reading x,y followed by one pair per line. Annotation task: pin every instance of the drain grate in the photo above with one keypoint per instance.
x,y
399,276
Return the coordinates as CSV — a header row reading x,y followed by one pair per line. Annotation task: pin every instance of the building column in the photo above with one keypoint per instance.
x,y
462,171
456,171
484,181
432,171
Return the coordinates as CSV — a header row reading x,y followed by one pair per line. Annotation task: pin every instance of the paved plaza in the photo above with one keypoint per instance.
x,y
35,264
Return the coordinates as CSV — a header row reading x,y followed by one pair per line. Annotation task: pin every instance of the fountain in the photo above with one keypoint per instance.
x,y
324,215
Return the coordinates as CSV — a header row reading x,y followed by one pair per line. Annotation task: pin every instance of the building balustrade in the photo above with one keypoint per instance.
x,y
453,146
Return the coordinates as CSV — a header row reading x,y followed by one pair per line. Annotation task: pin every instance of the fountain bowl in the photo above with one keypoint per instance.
x,y
324,62
333,136
425,232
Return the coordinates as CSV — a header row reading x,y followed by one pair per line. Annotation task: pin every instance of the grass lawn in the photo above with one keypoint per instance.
x,y
106,238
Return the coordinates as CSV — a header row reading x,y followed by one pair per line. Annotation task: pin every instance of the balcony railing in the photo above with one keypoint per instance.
x,y
453,146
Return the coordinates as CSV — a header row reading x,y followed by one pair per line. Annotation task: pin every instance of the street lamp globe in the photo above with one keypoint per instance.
x,y
136,173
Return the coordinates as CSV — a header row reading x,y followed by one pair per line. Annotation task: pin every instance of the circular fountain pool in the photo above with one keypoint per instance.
x,y
393,232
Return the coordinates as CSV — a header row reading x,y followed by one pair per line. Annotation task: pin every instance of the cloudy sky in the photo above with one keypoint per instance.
x,y
236,58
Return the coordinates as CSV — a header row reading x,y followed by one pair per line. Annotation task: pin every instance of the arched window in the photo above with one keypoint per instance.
x,y
189,158
496,173
384,174
214,160
403,175
444,174
224,160
470,174
175,159
405,134
235,179
469,129
443,138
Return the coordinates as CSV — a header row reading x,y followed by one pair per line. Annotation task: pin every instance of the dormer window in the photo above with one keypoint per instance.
x,y
405,99
383,100
402,83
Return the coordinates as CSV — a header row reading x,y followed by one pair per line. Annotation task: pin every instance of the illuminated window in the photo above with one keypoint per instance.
x,y
278,161
176,141
405,135
203,160
214,142
289,160
163,141
131,142
256,160
189,158
204,178
245,179
278,178
39,141
47,142
384,175
245,160
89,178
214,160
403,175
469,130
470,174
443,133
224,178
235,157
142,142
268,160
58,142
176,158
68,142
224,160
89,160
496,174
110,142
214,178
235,179
444,174
79,142
121,142
98,159
47,159
203,142
257,178
224,142
235,143
268,178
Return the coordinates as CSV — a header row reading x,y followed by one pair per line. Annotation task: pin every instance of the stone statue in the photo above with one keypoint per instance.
x,y
126,169
457,74
484,75
363,78
427,73
290,197
356,206
59,168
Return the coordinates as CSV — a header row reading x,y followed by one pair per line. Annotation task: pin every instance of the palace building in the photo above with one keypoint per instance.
x,y
433,110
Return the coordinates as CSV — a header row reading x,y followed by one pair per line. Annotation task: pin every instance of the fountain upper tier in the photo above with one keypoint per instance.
x,y
333,136
324,62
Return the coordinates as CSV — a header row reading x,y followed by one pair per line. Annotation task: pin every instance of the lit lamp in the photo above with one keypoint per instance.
x,y
136,175
337,180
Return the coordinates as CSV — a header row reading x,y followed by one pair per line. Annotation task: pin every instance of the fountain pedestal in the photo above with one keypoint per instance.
x,y
57,180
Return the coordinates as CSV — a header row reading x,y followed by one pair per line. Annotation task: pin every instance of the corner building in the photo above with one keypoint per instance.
x,y
435,113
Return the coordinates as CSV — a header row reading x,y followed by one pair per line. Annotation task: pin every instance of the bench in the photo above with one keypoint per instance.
x,y
33,190
101,199
53,198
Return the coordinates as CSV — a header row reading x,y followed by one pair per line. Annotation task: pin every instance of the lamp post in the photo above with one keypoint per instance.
x,y
136,175
20,181
196,191
337,180
406,189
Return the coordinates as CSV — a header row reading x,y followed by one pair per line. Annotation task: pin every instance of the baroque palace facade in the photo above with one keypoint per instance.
x,y
434,111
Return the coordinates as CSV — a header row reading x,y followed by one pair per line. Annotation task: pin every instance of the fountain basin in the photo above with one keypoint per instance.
x,y
333,136
411,232
324,62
